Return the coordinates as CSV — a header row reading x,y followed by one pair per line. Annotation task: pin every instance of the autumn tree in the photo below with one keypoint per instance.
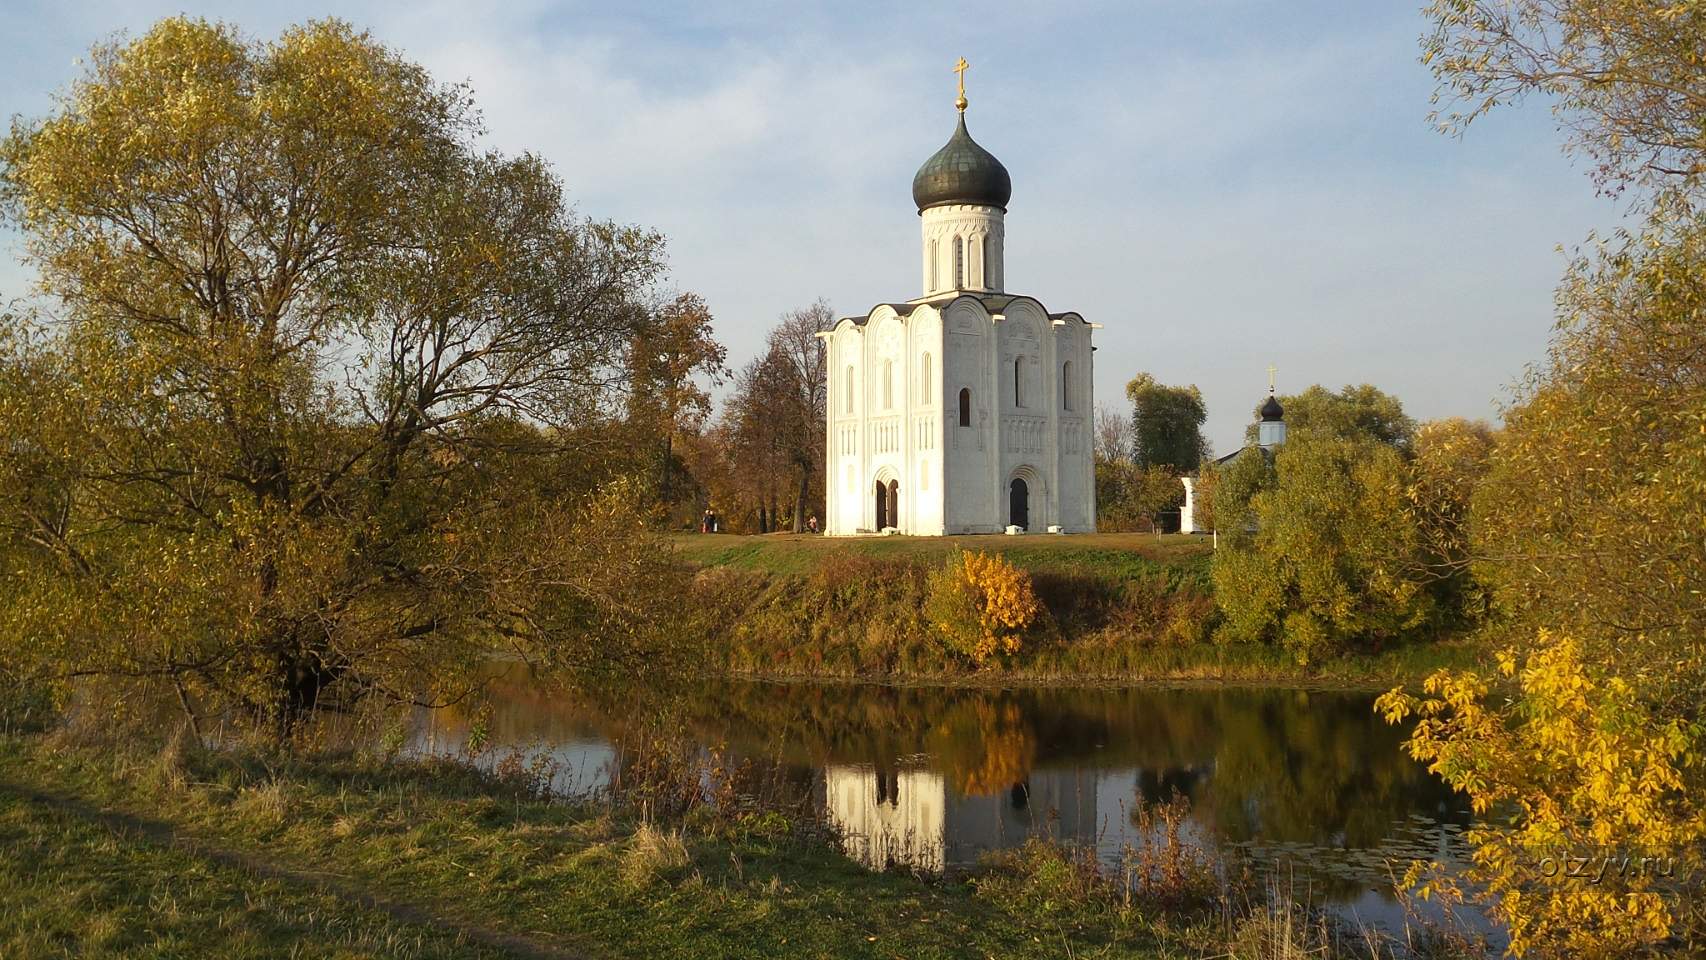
x,y
301,426
1622,76
802,357
774,422
1587,529
1449,461
673,360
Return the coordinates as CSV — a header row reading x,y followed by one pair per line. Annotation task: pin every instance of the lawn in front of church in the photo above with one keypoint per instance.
x,y
1111,553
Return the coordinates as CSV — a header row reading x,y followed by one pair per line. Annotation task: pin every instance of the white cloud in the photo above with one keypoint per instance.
x,y
1222,185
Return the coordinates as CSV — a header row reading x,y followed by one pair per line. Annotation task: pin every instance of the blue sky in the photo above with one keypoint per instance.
x,y
1222,184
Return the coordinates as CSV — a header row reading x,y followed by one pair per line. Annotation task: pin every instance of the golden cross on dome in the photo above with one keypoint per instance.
x,y
1271,371
961,68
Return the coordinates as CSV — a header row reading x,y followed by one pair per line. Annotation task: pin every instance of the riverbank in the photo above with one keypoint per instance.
x,y
188,853
1122,609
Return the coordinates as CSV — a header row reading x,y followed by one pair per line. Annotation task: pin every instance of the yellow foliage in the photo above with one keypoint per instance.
x,y
1589,820
982,604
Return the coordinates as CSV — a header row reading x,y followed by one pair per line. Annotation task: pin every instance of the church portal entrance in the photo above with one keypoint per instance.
x,y
888,504
1019,504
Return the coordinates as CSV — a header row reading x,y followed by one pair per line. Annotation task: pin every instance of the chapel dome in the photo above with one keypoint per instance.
x,y
961,172
1271,411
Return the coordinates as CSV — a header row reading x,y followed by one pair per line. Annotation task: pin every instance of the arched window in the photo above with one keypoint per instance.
x,y
1018,368
935,264
1066,385
965,406
888,384
924,378
849,389
959,263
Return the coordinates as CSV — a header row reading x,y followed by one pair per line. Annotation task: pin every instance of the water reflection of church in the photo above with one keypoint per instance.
x,y
907,814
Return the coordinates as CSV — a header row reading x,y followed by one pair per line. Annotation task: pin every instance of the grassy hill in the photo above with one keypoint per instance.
x,y
1122,607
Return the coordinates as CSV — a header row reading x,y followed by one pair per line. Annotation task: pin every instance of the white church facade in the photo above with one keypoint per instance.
x,y
967,409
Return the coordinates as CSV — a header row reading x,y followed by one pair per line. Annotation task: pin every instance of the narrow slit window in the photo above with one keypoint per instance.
x,y
965,406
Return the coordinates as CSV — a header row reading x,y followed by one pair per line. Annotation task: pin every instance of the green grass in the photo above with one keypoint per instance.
x,y
1109,554
107,855
77,882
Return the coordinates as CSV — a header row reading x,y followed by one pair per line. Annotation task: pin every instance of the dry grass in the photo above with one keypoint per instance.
x,y
653,854
264,804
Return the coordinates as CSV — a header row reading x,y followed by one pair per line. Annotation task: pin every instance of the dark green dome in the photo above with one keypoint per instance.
x,y
1271,411
961,172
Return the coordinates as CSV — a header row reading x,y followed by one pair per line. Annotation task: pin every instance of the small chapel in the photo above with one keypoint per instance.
x,y
966,409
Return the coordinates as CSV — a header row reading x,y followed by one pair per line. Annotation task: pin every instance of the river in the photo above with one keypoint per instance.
x,y
1307,785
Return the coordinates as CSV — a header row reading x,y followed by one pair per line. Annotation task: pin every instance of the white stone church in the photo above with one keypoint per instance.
x,y
968,409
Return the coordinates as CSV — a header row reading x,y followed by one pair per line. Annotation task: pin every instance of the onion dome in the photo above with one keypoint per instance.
x,y
961,172
1271,411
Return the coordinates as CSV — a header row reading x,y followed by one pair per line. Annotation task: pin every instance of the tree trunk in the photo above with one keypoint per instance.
x,y
800,501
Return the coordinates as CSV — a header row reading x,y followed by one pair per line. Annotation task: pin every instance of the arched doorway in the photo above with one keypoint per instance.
x,y
1019,504
888,504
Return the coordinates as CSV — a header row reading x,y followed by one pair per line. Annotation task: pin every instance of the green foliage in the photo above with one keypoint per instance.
x,y
1353,413
1333,563
1235,486
1166,424
1131,497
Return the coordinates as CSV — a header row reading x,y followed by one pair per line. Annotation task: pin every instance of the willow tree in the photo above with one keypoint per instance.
x,y
299,427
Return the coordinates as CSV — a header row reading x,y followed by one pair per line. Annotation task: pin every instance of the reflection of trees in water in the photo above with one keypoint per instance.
x,y
1281,765
1278,765
985,745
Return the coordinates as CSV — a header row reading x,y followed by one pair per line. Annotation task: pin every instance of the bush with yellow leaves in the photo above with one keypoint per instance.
x,y
982,605
1591,840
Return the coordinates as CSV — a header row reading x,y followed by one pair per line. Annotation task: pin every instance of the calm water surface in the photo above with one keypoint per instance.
x,y
1311,785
